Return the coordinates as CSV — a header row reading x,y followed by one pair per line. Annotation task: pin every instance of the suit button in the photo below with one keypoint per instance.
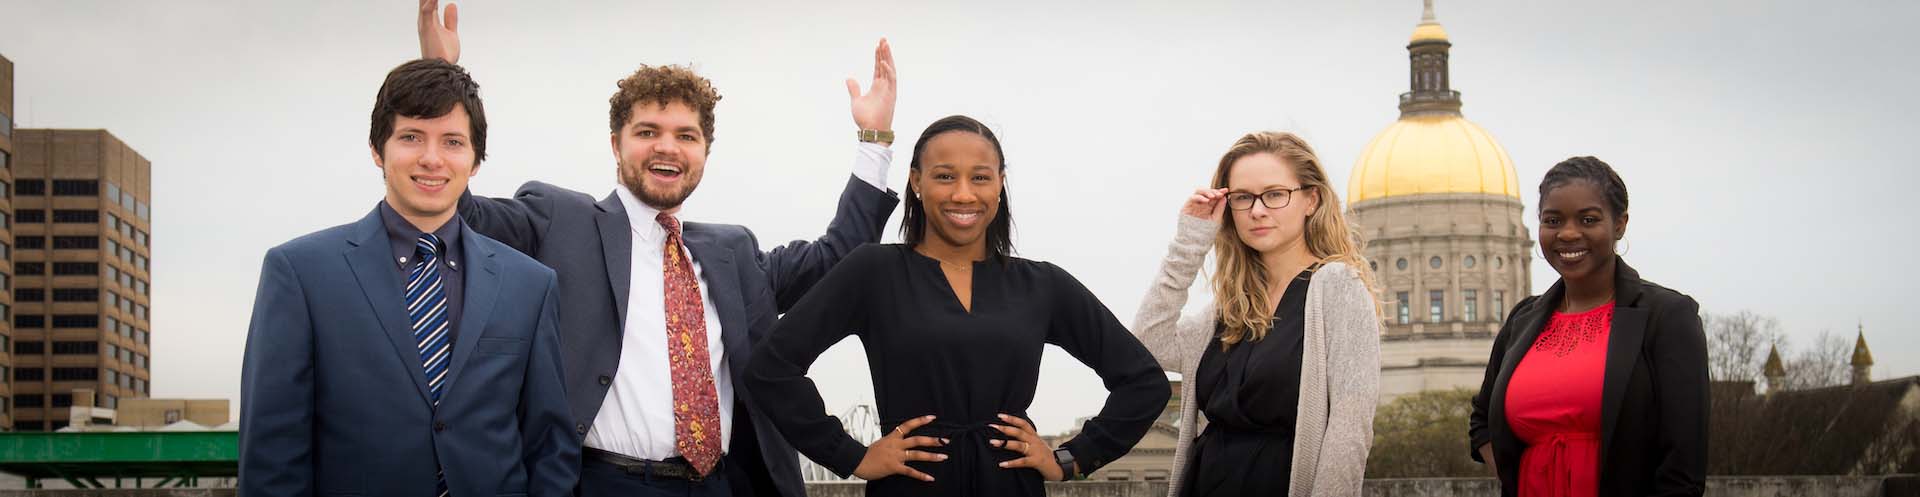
x,y
580,427
439,426
606,380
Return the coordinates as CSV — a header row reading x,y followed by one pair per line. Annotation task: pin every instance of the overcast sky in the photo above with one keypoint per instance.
x,y
1765,144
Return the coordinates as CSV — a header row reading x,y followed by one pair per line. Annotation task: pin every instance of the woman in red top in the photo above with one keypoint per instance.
x,y
1598,386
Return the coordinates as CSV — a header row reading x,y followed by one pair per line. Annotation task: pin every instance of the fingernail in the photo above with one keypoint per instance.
x,y
1003,416
1003,465
943,457
945,441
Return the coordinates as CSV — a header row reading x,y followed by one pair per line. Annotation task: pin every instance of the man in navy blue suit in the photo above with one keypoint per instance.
x,y
406,354
661,315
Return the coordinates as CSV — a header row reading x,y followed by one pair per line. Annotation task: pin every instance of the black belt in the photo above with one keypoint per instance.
x,y
674,468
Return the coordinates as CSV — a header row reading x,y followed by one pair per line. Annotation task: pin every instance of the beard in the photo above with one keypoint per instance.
x,y
634,178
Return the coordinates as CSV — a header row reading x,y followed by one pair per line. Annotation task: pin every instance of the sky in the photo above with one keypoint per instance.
x,y
1760,141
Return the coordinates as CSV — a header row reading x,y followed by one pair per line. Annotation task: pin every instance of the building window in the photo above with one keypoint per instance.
x,y
140,336
29,294
113,273
112,351
1374,265
76,216
76,374
29,321
1436,306
33,242
26,348
140,237
1499,304
113,190
29,186
76,348
140,311
1156,475
143,212
30,268
30,400
109,401
113,377
140,286
76,242
1401,264
76,320
29,374
62,400
140,261
6,124
76,268
173,416
1470,304
30,216
1435,262
1499,261
77,295
1468,262
126,200
76,187
1404,311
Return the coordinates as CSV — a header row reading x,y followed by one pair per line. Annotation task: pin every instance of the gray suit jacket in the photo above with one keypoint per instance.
x,y
588,244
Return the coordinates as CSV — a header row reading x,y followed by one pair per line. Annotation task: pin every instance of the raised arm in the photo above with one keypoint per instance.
x,y
439,35
865,203
1159,324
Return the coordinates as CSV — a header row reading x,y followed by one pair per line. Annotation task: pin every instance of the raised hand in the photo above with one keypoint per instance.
x,y
888,456
1206,203
874,110
439,39
1033,450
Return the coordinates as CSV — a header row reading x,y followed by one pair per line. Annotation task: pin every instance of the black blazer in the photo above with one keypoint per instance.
x,y
588,244
1653,405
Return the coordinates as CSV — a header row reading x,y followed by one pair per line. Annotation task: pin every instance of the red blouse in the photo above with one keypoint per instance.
x,y
1553,405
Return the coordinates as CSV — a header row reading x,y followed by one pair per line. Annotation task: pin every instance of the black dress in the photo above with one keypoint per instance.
x,y
1250,394
929,355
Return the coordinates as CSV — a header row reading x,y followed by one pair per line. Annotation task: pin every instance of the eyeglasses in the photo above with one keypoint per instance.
x,y
1277,198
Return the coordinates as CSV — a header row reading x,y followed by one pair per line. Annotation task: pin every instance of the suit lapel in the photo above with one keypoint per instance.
x,y
616,244
373,266
1628,332
721,279
482,289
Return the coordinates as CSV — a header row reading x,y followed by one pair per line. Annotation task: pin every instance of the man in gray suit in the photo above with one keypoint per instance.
x,y
660,317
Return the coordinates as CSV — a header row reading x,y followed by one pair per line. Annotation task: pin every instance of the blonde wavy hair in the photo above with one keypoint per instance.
x,y
1240,279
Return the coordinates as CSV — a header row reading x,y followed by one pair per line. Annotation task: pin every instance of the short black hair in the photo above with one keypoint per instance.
x,y
913,222
1594,172
426,89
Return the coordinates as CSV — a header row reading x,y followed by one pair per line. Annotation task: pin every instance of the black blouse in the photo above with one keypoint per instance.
x,y
929,355
1251,395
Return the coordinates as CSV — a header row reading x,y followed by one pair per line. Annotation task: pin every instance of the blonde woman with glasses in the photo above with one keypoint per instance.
x,y
1285,362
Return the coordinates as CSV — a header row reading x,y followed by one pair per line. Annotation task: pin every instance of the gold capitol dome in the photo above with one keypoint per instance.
x,y
1431,148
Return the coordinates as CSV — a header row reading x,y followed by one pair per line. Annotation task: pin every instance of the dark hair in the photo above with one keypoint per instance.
x,y
426,89
660,85
1594,172
913,223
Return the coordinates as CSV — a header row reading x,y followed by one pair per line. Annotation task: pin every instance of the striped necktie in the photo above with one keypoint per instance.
x,y
427,306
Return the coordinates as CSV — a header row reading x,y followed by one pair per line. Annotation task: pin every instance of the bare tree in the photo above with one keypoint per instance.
x,y
1826,362
1737,344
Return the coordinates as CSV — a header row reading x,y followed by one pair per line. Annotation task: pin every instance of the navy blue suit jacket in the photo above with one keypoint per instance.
x,y
334,400
590,245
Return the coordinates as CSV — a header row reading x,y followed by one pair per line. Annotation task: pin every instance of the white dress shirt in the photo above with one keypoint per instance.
x,y
636,419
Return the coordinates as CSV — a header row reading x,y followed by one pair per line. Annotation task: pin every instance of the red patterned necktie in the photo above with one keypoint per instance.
x,y
696,405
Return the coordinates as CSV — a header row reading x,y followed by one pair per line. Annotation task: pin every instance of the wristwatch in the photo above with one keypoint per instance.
x,y
883,137
1067,467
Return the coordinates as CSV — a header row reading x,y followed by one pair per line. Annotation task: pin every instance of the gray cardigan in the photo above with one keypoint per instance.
x,y
1339,372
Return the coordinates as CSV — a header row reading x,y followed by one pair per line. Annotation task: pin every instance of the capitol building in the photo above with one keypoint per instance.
x,y
1437,201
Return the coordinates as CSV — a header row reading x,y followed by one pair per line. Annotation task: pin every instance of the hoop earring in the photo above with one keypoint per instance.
x,y
1619,250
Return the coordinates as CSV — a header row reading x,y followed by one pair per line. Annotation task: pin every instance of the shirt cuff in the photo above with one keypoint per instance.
x,y
870,161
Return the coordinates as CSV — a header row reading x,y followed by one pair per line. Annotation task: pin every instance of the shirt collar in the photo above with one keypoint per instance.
x,y
402,236
641,217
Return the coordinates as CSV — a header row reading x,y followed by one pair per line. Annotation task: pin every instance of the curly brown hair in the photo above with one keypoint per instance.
x,y
660,85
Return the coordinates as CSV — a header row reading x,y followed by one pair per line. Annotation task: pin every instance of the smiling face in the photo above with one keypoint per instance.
x,y
426,163
959,184
1263,228
1578,232
662,153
